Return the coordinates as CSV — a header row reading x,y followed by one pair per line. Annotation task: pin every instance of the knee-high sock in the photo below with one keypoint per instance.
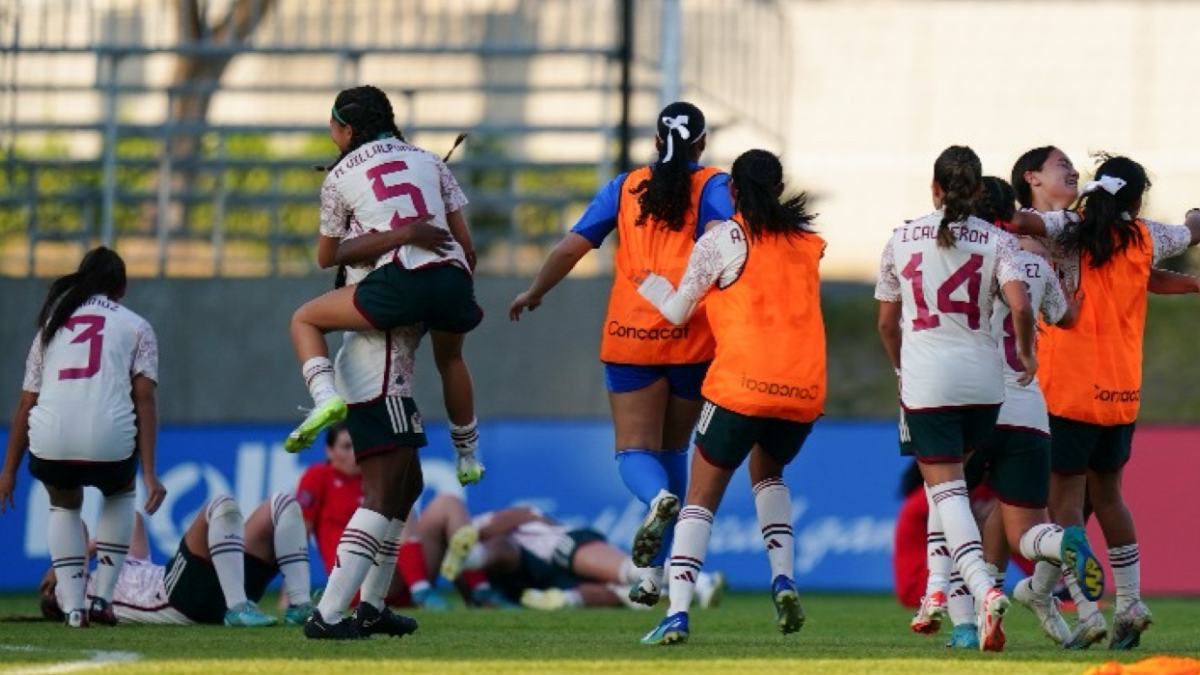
x,y
113,533
1042,542
356,551
773,503
226,548
962,534
291,548
318,375
68,556
379,577
691,544
1126,567
960,602
1045,577
642,473
675,464
937,551
1085,608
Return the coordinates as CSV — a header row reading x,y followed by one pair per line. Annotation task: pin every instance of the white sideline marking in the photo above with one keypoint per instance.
x,y
97,659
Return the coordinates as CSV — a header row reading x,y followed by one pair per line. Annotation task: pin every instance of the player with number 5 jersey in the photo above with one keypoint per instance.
x,y
88,414
940,276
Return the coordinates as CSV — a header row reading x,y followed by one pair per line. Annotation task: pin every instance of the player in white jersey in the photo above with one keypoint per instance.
x,y
939,278
383,184
88,415
220,570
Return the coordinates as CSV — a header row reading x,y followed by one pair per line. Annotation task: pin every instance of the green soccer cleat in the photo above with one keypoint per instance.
x,y
672,630
964,636
1128,626
297,615
456,552
468,468
332,410
789,615
248,615
1077,555
649,535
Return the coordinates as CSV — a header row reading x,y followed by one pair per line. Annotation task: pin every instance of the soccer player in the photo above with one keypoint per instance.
x,y
652,369
939,276
219,572
88,415
381,183
766,386
1106,252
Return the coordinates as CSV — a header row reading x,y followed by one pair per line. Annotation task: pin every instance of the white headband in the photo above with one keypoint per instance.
x,y
677,123
1110,184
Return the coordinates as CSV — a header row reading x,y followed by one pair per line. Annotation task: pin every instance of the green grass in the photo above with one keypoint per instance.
x,y
845,634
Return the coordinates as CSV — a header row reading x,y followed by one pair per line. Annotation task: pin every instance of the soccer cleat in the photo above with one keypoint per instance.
x,y
1077,555
316,628
1087,633
672,630
649,535
456,551
102,612
789,615
247,614
647,591
964,636
469,468
709,589
372,621
991,630
296,615
333,410
1045,609
489,598
549,599
1129,625
428,598
929,616
76,618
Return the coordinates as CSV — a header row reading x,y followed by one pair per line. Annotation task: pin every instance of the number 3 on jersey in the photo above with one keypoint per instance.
x,y
93,335
384,191
968,274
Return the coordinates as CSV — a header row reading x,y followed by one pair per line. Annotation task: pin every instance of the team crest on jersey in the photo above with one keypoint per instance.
x,y
416,423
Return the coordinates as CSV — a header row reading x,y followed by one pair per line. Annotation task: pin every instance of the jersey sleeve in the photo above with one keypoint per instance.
x,y
1007,267
715,202
452,193
1054,301
1168,241
33,366
1060,225
599,219
335,220
887,288
719,256
310,493
145,353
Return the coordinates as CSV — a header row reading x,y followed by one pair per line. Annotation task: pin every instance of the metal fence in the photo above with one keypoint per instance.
x,y
184,132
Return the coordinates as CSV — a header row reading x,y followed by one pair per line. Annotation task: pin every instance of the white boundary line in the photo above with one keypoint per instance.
x,y
97,659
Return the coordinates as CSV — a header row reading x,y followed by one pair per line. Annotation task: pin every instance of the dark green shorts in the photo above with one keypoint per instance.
x,y
1077,446
385,424
193,588
725,438
109,477
945,435
1018,465
441,297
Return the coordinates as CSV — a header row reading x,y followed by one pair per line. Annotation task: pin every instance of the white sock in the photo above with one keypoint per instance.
x,y
937,551
1085,608
379,577
692,531
419,587
465,438
477,558
1045,577
318,375
113,533
629,573
773,503
997,576
572,598
68,557
226,548
356,553
962,534
291,548
961,603
1126,568
1042,542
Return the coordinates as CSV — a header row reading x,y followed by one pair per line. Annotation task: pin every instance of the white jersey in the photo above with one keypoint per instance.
x,y
1024,406
948,356
384,185
140,595
372,364
537,537
84,378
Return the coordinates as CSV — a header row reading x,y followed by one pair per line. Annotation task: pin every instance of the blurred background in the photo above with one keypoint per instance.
x,y
184,133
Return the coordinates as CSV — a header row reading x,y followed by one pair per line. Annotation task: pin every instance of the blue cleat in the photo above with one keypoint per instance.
x,y
672,630
297,615
964,636
1077,555
789,615
249,615
428,598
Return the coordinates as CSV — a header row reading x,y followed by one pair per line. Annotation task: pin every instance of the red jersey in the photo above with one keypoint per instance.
x,y
328,498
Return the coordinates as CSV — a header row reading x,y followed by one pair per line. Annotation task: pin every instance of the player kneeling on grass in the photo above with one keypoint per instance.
x,y
766,386
219,572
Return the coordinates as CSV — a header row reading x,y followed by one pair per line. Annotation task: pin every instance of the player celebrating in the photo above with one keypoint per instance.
x,y
652,369
934,327
760,402
88,415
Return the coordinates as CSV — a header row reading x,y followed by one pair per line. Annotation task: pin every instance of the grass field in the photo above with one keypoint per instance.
x,y
845,635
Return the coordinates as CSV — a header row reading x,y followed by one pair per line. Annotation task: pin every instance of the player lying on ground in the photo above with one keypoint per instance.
x,y
220,570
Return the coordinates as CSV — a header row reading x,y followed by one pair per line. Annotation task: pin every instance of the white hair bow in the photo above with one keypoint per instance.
x,y
1110,184
677,123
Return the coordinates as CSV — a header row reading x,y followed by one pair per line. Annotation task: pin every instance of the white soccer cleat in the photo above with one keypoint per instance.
x,y
709,588
1087,633
648,590
1045,609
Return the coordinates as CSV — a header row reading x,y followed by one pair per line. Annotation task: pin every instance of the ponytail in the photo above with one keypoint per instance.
x,y
995,202
960,174
1108,228
758,177
101,272
667,194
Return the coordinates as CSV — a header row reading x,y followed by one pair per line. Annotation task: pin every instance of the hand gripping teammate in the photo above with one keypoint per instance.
x,y
88,415
652,368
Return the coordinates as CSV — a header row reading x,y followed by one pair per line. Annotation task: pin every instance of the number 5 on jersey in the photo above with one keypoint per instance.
x,y
383,191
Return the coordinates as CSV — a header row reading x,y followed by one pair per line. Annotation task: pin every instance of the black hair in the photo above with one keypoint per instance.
x,y
368,112
758,177
996,203
959,173
332,432
1033,160
667,194
1107,228
101,272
